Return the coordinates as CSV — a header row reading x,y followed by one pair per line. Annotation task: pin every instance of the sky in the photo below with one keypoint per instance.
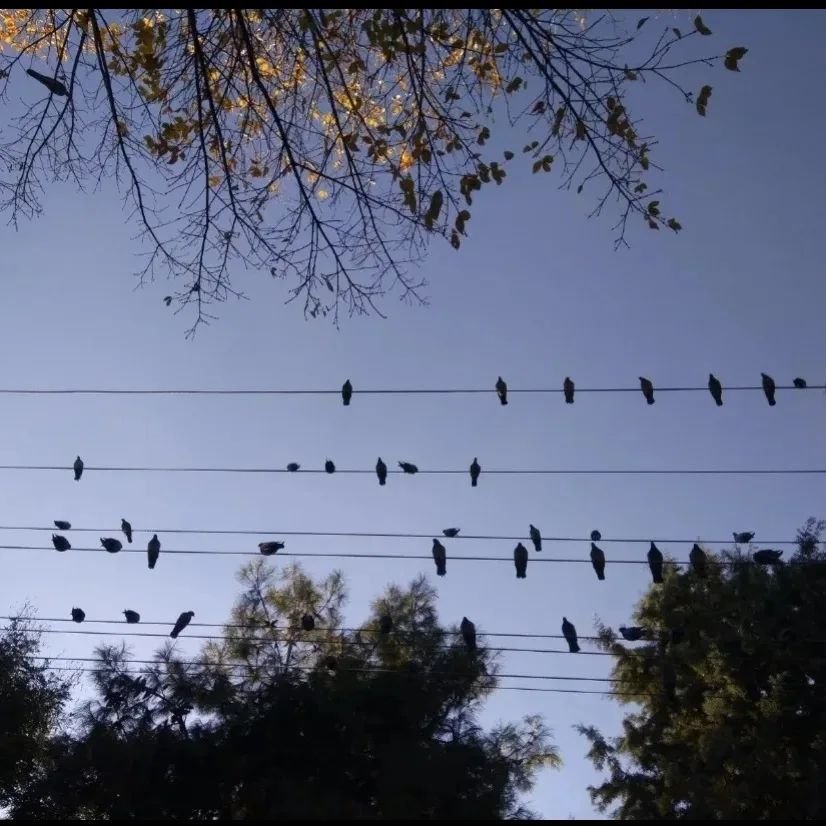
x,y
536,293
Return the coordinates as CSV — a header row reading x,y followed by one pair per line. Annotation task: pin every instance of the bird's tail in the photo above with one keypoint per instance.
x,y
600,575
382,482
569,401
574,646
152,563
473,482
441,570
129,539
772,402
173,634
521,575
658,578
650,401
346,402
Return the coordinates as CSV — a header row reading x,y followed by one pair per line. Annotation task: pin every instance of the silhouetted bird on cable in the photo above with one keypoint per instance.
x,y
270,548
153,550
598,561
381,471
408,467
716,389
112,545
329,466
647,388
468,630
346,392
520,561
767,557
60,542
132,616
799,383
78,466
698,560
293,467
502,390
78,615
182,622
450,533
62,526
568,389
475,470
127,530
768,389
569,632
655,563
536,537
439,557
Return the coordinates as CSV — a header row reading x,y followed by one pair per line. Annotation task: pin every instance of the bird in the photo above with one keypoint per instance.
x,y
655,563
307,622
78,466
439,557
270,548
716,389
598,561
62,525
329,466
381,471
768,389
475,470
698,560
502,390
78,615
111,545
520,561
767,557
742,538
385,623
60,542
568,389
54,86
633,633
346,392
132,616
468,630
293,467
647,389
127,530
408,467
595,536
153,550
450,533
569,632
799,383
536,537
183,620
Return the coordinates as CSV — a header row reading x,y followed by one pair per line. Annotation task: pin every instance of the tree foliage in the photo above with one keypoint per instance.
x,y
275,721
328,146
727,721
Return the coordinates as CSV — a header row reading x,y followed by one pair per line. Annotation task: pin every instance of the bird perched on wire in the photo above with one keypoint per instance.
x,y
408,467
647,387
502,390
742,538
292,467
112,545
475,470
183,620
698,560
346,392
61,525
385,624
60,542
595,536
450,533
799,383
536,537
78,615
520,561
307,622
468,630
78,468
132,616
440,558
633,633
598,561
153,550
767,557
716,389
127,530
768,389
568,389
381,471
270,548
655,563
329,466
53,85
569,632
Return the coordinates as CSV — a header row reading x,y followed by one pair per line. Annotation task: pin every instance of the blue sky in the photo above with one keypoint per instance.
x,y
537,293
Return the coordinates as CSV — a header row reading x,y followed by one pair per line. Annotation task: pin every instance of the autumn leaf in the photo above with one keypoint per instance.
x,y
733,56
701,27
702,100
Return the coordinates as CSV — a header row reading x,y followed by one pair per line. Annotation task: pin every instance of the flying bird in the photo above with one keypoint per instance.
x,y
112,545
329,466
132,616
598,561
153,550
475,470
78,466
742,538
799,383
385,624
270,548
127,530
595,536
78,615
502,390
450,533
767,557
54,86
408,467
633,633
60,542
568,388
698,560
346,392
468,630
520,561
716,389
655,563
61,525
569,632
439,557
307,622
536,537
768,389
381,471
182,622
293,467
647,388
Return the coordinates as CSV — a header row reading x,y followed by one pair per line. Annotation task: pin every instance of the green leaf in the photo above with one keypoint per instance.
x,y
654,208
674,224
644,162
641,22
641,187
514,85
733,56
702,100
508,155
701,27
652,224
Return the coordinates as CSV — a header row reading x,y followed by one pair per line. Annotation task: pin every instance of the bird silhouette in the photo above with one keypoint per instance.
x,y
450,533
647,388
112,545
655,563
307,622
502,390
132,616
768,389
60,542
742,538
439,557
716,389
153,550
408,467
78,466
767,557
293,467
183,620
475,470
568,389
54,86
78,615
598,561
799,383
385,624
468,630
61,525
698,560
569,632
632,633
381,471
127,530
595,536
346,392
520,561
270,548
329,466
536,537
